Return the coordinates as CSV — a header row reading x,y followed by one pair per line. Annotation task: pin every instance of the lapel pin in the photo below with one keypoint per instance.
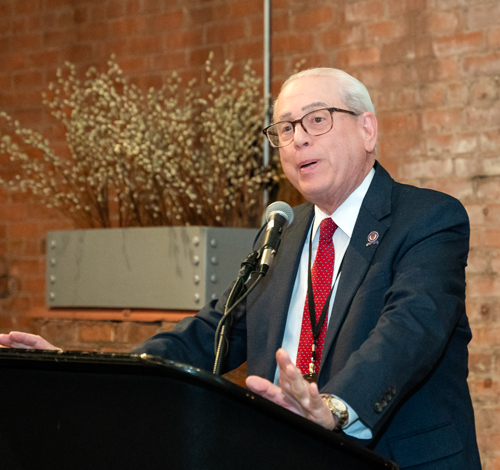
x,y
372,238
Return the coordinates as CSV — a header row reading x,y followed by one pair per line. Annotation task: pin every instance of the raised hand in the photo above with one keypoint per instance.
x,y
293,393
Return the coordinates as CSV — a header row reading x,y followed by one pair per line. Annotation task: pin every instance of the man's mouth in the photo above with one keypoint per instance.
x,y
307,164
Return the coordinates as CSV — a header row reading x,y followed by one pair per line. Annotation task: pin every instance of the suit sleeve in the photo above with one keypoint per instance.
x,y
422,262
192,340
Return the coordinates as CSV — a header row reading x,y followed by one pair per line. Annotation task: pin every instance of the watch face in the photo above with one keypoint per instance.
x,y
338,404
338,408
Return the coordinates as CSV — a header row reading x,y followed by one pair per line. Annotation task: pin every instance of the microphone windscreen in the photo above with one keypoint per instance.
x,y
281,208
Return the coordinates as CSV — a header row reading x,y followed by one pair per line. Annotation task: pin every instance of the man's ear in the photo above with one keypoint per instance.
x,y
369,125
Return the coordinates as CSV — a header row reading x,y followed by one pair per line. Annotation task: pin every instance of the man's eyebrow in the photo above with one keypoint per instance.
x,y
305,108
314,105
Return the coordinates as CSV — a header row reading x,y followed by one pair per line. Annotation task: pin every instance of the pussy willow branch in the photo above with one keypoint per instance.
x,y
158,157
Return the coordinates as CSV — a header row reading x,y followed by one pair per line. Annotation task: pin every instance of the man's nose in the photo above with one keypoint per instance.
x,y
300,136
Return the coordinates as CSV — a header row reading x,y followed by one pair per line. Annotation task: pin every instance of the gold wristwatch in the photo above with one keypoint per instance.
x,y
338,408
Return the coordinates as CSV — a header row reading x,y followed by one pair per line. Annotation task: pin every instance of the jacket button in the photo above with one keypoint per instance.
x,y
383,402
378,407
392,390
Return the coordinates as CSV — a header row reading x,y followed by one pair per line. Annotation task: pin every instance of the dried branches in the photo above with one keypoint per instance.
x,y
161,157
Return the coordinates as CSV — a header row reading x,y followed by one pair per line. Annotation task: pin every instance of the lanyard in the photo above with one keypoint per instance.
x,y
316,327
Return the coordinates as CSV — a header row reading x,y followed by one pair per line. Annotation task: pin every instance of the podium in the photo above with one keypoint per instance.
x,y
71,410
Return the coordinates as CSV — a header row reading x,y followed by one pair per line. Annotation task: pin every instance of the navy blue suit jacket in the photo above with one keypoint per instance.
x,y
396,345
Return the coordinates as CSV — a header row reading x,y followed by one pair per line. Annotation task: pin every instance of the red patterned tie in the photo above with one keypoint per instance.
x,y
321,276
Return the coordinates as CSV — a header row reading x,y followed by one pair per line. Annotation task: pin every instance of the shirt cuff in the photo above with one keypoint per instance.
x,y
354,427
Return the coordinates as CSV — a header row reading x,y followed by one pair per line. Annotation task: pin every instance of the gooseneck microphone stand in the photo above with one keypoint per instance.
x,y
237,294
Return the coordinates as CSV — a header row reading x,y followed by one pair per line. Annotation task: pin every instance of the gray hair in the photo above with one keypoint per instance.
x,y
351,91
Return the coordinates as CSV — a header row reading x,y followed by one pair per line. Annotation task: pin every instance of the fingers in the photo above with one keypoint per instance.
x,y
292,384
5,341
273,393
294,392
294,387
291,380
257,384
304,394
18,339
267,390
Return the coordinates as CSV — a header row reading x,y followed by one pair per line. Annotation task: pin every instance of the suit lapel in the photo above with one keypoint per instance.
x,y
358,257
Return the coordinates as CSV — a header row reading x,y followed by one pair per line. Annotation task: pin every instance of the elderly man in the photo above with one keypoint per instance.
x,y
364,301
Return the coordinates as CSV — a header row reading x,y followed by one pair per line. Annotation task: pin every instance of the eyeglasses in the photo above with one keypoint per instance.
x,y
317,122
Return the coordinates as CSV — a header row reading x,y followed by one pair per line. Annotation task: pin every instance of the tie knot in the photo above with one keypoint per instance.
x,y
326,230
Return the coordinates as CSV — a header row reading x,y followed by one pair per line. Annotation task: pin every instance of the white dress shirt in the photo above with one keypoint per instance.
x,y
345,217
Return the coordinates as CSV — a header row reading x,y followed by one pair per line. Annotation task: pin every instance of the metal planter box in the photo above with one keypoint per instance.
x,y
148,267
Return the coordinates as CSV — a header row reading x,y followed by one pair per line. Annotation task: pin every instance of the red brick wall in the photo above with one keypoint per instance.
x,y
433,69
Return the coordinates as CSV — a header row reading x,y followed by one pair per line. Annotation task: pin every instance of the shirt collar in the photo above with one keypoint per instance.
x,y
346,215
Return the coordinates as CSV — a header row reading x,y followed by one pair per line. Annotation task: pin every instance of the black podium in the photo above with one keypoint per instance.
x,y
89,411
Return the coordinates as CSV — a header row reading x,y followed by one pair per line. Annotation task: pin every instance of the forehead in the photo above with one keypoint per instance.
x,y
306,94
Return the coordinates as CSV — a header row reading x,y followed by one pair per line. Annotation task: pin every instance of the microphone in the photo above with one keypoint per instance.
x,y
278,215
